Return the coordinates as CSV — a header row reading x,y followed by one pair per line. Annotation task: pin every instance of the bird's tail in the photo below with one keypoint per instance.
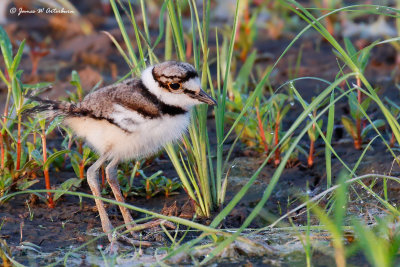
x,y
51,109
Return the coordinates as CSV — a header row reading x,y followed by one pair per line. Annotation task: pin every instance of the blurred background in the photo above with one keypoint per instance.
x,y
71,35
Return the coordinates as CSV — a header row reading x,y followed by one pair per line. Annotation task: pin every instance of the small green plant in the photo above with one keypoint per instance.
x,y
169,186
81,158
356,102
278,109
261,128
150,185
67,186
157,183
250,127
42,159
353,126
131,170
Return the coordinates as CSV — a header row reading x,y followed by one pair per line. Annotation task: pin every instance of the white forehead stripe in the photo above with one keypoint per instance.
x,y
193,84
170,98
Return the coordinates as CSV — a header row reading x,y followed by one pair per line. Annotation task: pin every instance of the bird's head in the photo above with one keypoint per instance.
x,y
176,83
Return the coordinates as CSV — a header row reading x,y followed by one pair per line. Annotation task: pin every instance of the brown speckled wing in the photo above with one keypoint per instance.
x,y
135,100
130,94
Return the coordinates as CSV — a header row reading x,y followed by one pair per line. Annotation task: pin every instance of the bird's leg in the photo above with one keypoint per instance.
x,y
92,178
111,176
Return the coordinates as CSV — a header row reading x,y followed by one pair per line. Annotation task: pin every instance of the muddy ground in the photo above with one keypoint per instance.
x,y
73,222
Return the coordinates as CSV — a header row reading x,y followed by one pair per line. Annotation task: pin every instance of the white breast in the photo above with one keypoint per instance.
x,y
146,140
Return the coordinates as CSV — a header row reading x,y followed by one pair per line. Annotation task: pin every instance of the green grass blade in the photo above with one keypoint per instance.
x,y
120,50
329,134
6,48
125,36
17,58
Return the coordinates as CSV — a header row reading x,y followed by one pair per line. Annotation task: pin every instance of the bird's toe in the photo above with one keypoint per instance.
x,y
134,242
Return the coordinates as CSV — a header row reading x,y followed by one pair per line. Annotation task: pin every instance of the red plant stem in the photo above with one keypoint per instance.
x,y
82,170
262,133
147,189
276,137
18,165
46,170
392,140
82,163
358,142
310,160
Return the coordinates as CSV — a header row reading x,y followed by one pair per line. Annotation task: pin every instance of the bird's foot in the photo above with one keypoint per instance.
x,y
153,230
118,240
134,241
152,224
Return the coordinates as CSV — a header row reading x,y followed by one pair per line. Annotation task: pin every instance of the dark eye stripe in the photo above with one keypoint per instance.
x,y
189,93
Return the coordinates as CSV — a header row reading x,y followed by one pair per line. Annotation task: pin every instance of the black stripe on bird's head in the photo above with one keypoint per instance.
x,y
181,78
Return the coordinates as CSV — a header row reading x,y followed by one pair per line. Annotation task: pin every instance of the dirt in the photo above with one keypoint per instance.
x,y
73,221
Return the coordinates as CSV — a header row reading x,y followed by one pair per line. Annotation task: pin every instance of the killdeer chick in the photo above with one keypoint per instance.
x,y
131,120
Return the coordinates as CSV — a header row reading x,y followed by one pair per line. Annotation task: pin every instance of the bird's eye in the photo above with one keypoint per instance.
x,y
175,86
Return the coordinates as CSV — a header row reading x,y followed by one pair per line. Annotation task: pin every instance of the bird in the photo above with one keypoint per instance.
x,y
130,120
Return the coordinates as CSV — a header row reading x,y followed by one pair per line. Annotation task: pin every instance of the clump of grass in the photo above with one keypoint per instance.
x,y
204,182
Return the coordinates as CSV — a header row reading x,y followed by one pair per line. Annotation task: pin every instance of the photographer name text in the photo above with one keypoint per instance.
x,y
48,10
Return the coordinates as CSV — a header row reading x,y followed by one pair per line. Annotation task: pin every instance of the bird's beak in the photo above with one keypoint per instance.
x,y
205,98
